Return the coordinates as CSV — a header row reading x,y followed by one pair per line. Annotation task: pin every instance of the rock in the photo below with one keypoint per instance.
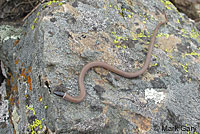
x,y
191,8
57,40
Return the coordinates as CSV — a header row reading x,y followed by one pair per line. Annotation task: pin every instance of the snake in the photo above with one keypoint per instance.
x,y
82,94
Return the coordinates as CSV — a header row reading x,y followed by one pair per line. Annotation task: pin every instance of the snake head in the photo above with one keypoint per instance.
x,y
59,93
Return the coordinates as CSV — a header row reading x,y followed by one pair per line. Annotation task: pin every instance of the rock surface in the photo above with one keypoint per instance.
x,y
48,53
191,8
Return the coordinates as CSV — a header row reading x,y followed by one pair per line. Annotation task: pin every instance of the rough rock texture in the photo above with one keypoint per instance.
x,y
61,37
4,104
14,10
191,8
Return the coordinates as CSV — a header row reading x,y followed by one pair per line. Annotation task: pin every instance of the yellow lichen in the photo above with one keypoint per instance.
x,y
49,3
178,21
129,16
118,38
162,34
30,108
184,66
192,53
155,56
134,38
155,45
121,14
141,34
115,7
117,46
36,124
167,4
195,35
121,10
40,99
38,13
155,65
32,27
124,46
35,21
183,30
60,3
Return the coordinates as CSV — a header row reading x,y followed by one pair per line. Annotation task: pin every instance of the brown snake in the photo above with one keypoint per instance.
x,y
81,96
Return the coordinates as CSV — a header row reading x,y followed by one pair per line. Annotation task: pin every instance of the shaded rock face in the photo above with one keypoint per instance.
x,y
12,11
61,37
189,7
